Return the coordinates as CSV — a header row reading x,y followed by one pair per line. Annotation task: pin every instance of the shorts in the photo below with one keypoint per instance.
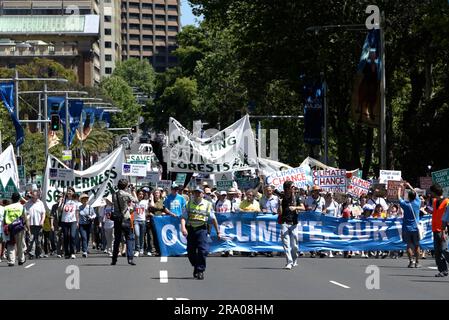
x,y
411,239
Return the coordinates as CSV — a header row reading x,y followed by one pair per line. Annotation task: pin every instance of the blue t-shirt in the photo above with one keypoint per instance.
x,y
175,204
408,221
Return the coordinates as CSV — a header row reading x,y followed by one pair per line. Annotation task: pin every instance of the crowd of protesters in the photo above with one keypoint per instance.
x,y
73,227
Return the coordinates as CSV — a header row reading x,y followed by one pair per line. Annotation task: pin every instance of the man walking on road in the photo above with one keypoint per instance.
x,y
35,212
194,221
440,240
290,205
13,212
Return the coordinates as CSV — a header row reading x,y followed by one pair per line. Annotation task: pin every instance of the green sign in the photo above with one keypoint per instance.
x,y
66,155
181,178
442,178
224,185
7,191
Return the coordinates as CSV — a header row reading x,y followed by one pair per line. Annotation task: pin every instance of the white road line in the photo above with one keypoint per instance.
x,y
339,284
29,266
164,259
433,268
163,276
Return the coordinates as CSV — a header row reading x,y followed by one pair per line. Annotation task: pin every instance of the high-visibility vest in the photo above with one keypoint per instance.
x,y
198,214
12,212
437,215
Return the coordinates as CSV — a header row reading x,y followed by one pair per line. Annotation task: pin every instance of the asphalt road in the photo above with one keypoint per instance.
x,y
232,278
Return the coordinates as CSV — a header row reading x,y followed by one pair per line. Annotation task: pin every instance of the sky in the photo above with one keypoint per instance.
x,y
186,14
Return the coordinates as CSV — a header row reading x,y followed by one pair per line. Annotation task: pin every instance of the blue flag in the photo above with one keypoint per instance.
x,y
57,105
106,118
313,114
7,96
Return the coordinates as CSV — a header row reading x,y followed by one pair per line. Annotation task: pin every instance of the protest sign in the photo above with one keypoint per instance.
x,y
330,180
300,176
386,175
9,174
134,170
442,178
392,190
425,182
357,187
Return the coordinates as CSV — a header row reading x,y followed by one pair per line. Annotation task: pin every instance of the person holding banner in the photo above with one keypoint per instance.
x,y
315,202
194,221
290,205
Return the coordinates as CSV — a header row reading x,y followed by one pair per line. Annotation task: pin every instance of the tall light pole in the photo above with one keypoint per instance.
x,y
383,131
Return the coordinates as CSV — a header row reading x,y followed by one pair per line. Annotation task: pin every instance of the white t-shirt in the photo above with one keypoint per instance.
x,y
2,214
223,206
35,212
315,204
235,205
105,216
332,210
69,211
380,201
141,210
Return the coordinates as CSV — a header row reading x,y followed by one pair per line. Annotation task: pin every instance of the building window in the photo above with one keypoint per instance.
x,y
134,5
171,38
172,18
160,17
134,37
107,31
172,48
172,59
134,47
147,6
160,49
147,16
147,27
17,12
160,28
160,38
172,7
134,26
108,44
146,37
134,16
108,57
148,48
108,70
173,28
159,7
107,18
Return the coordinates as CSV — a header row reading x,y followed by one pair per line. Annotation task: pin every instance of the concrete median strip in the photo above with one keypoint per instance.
x,y
339,284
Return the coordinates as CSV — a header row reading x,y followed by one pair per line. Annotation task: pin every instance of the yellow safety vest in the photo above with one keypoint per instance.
x,y
12,212
198,214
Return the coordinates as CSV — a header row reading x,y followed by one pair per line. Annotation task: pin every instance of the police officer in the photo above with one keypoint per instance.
x,y
194,221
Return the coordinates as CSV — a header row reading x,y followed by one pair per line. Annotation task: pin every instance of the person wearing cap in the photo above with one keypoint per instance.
x,y
223,205
13,212
194,225
234,198
87,216
174,204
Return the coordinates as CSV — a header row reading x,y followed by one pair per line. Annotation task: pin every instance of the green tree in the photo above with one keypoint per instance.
x,y
137,73
122,97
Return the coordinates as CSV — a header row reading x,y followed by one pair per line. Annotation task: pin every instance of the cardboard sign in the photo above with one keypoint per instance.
x,y
357,187
425,182
392,190
138,158
330,180
181,178
392,175
164,184
224,185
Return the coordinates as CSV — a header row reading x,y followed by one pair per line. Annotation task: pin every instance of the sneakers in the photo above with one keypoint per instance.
x,y
313,255
105,251
411,264
323,254
331,255
84,254
149,254
10,264
131,262
295,263
417,265
231,253
113,263
59,256
363,256
200,276
288,266
441,274
74,257
136,254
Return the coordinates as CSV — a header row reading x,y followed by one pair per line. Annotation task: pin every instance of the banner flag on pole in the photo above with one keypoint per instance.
x,y
7,97
9,177
313,114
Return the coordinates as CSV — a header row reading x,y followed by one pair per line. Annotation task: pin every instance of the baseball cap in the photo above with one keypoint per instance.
x,y
174,186
223,193
199,189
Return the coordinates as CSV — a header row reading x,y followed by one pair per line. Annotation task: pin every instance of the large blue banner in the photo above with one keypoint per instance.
x,y
261,232
7,97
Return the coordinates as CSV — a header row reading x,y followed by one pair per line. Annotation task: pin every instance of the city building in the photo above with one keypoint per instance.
x,y
149,30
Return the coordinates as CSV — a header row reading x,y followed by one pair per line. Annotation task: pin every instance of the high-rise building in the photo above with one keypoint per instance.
x,y
149,30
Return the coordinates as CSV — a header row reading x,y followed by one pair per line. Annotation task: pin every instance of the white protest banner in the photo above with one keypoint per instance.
x,y
151,178
97,181
231,149
134,170
268,166
9,175
61,174
358,187
301,177
386,175
330,180
138,158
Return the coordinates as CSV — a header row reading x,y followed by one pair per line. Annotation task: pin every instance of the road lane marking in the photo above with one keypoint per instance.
x,y
163,276
164,259
433,268
339,284
29,266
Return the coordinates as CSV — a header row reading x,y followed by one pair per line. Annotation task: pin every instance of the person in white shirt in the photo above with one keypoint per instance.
x,y
141,211
223,205
332,207
377,199
70,223
234,198
107,224
35,212
2,213
315,202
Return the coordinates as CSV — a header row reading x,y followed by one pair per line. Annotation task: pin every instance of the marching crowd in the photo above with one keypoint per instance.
x,y
29,230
